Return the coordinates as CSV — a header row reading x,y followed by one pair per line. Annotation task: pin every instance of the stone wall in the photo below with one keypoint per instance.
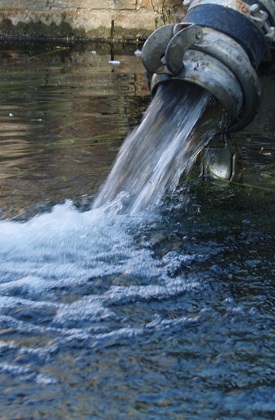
x,y
128,20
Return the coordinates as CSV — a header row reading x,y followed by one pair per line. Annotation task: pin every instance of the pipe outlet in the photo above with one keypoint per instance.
x,y
218,46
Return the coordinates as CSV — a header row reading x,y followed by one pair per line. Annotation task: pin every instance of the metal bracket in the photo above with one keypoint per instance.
x,y
154,48
167,45
222,160
187,35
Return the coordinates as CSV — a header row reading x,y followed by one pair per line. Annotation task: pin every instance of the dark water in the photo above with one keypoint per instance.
x,y
165,313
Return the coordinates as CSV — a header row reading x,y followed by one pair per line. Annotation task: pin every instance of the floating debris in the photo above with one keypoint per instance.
x,y
138,53
264,152
114,62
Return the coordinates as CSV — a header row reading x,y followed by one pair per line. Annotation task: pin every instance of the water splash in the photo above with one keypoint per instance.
x,y
65,277
153,157
100,307
63,273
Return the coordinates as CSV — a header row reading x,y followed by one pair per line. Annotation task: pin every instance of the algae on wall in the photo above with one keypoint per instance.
x,y
127,20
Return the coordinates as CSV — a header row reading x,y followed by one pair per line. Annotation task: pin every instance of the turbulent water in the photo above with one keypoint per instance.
x,y
164,145
115,316
62,276
131,310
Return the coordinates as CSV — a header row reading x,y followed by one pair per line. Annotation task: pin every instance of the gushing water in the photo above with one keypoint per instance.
x,y
165,145
62,273
106,314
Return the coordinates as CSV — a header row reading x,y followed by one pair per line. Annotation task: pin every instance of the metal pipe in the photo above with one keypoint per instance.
x,y
219,46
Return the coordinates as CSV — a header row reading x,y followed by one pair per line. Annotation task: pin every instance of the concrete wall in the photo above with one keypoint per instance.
x,y
128,20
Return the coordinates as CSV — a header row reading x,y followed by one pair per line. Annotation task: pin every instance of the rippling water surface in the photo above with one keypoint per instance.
x,y
168,312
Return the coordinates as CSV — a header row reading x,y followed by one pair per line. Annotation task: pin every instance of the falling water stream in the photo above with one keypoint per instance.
x,y
164,145
154,300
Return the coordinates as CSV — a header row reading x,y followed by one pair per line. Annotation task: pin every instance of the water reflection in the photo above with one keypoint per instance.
x,y
63,116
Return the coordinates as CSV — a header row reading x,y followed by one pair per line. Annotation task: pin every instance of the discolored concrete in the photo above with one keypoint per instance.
x,y
127,20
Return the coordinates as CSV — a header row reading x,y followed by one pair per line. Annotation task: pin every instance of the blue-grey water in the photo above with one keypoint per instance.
x,y
166,312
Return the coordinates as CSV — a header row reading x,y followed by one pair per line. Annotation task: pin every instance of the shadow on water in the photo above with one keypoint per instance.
x,y
167,312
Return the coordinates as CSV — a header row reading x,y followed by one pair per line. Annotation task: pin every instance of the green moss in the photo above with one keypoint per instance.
x,y
39,29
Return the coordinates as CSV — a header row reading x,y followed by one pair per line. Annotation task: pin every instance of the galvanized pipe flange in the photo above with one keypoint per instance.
x,y
211,74
230,53
240,6
208,72
246,7
218,45
231,22
222,48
